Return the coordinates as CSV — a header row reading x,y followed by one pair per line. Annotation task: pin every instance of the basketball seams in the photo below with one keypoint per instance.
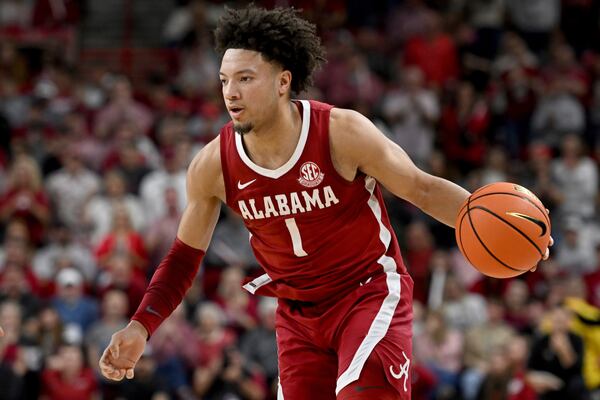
x,y
483,244
524,197
511,225
462,248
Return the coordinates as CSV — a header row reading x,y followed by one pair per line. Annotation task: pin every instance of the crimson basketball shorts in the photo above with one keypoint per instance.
x,y
358,348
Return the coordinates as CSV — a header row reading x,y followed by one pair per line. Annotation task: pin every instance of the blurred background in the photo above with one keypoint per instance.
x,y
104,103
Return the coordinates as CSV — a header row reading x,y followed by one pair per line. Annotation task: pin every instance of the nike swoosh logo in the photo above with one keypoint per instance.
x,y
245,185
536,221
152,311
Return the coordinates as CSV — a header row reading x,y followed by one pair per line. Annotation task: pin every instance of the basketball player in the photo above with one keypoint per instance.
x,y
305,178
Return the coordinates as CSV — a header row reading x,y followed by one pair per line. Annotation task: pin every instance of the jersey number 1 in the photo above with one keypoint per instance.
x,y
296,239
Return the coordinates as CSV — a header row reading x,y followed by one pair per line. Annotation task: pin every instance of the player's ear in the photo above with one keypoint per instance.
x,y
285,82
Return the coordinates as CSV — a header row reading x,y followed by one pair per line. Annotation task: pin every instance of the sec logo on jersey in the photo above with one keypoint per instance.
x,y
310,174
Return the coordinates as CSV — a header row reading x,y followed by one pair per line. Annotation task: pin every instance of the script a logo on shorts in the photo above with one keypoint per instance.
x,y
536,221
310,174
403,371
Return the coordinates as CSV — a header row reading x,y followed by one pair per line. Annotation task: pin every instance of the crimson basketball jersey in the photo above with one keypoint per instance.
x,y
314,233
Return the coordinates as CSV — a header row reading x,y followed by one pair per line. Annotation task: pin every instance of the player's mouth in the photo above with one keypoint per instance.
x,y
235,111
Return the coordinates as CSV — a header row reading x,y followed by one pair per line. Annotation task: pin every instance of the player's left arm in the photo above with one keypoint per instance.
x,y
357,144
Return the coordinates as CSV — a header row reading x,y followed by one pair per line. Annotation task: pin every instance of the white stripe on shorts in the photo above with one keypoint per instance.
x,y
381,323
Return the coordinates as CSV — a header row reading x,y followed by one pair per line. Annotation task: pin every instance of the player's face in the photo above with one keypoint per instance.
x,y
251,88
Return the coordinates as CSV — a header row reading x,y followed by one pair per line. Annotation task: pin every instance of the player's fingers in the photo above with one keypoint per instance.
x,y
1,331
546,254
129,373
119,375
533,269
551,241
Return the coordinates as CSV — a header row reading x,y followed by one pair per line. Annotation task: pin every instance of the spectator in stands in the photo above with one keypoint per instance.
x,y
239,308
67,376
12,365
147,382
514,54
132,165
434,52
120,274
122,240
462,310
24,197
535,20
122,108
575,253
259,347
463,128
439,347
513,102
15,14
16,253
231,243
152,187
114,317
418,253
575,178
557,114
482,343
60,246
71,187
14,287
98,212
174,355
73,306
516,298
159,233
411,112
564,70
559,355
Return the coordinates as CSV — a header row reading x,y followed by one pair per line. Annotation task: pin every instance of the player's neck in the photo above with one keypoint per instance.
x,y
272,144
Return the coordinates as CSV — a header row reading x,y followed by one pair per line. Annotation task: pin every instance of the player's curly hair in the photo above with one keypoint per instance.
x,y
280,35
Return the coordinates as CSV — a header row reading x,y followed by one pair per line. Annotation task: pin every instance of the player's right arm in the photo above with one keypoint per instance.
x,y
176,272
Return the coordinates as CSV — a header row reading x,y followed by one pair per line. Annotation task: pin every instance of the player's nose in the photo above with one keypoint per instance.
x,y
230,91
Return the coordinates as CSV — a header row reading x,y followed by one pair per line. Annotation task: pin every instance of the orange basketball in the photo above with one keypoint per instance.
x,y
503,229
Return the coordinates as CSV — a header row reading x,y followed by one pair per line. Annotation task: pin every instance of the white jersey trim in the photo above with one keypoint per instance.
x,y
382,320
253,286
276,173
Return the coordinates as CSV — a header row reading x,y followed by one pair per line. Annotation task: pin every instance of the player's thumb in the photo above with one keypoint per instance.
x,y
113,347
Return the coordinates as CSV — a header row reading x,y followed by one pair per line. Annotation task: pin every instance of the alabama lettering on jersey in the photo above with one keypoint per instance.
x,y
314,233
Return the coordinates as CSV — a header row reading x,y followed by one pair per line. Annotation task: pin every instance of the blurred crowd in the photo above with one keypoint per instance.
x,y
92,185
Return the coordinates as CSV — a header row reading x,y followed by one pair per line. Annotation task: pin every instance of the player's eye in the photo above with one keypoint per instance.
x,y
245,79
223,82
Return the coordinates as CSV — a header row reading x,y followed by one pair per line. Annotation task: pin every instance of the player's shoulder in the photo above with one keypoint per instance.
x,y
205,169
347,125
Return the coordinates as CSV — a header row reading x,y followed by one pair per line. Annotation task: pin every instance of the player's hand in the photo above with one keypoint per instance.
x,y
123,352
1,332
547,252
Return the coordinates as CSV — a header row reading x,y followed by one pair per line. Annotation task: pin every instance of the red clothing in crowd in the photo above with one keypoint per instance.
x,y
81,387
18,203
437,58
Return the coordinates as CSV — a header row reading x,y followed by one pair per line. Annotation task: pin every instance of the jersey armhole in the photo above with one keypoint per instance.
x,y
326,149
